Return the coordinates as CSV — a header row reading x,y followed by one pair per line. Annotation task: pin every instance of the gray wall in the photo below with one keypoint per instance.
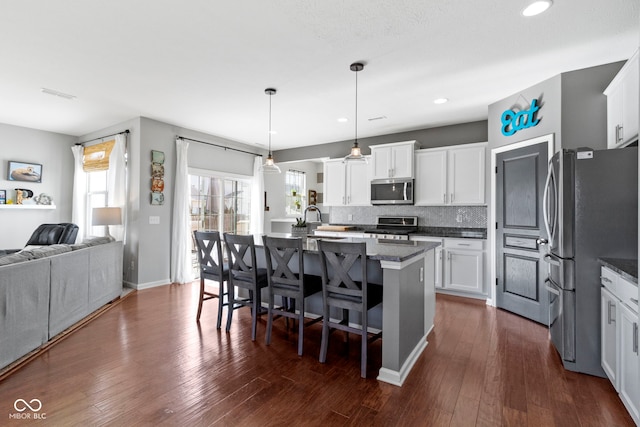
x,y
584,106
463,133
53,152
148,247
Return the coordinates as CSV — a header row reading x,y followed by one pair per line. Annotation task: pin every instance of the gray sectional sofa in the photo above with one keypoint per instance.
x,y
45,290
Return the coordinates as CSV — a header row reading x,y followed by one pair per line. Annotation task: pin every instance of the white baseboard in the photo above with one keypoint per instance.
x,y
397,377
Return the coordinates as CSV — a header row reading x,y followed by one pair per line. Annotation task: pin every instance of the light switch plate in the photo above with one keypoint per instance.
x,y
154,220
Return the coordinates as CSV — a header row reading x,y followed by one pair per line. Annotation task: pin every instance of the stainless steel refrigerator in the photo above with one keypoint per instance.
x,y
590,208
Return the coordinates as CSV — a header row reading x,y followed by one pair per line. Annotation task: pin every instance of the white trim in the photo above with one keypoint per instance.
x,y
397,377
140,286
216,174
491,234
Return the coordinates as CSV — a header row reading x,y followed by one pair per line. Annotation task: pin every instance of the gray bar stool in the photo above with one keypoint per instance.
x,y
344,285
244,273
281,255
212,267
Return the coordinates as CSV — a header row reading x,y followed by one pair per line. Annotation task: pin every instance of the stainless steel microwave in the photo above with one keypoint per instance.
x,y
392,192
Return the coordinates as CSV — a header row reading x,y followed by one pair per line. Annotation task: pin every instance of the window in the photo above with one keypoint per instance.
x,y
220,203
295,188
96,198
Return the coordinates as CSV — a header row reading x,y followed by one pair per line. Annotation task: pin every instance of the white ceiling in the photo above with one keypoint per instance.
x,y
204,64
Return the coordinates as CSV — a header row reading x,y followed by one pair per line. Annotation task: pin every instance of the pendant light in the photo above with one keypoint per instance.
x,y
269,166
356,152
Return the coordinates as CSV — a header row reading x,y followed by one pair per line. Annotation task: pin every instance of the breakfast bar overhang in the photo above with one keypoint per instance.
x,y
406,272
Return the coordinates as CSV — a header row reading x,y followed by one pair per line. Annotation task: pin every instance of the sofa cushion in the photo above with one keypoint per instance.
x,y
77,246
14,258
93,241
46,251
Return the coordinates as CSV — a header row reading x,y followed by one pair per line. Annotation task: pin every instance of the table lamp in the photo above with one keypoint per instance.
x,y
107,217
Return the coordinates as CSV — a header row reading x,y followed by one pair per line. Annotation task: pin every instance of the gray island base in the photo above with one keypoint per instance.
x,y
406,271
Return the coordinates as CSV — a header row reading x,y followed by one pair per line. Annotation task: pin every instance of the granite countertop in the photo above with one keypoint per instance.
x,y
627,268
454,232
393,250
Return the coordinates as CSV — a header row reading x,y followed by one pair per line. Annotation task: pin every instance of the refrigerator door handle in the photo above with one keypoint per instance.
x,y
545,213
552,289
549,259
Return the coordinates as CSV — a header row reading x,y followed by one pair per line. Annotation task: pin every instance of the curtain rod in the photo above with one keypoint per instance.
x,y
102,137
219,146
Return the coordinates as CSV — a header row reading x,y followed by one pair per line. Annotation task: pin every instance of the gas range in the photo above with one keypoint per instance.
x,y
394,227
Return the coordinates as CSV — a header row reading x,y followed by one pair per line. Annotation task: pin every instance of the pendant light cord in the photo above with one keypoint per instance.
x,y
356,118
270,95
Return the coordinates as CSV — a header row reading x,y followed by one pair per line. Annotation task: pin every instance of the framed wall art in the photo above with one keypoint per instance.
x,y
157,177
21,171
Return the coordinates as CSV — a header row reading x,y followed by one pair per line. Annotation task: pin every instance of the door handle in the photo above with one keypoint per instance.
x,y
635,338
547,258
541,241
605,279
444,198
609,310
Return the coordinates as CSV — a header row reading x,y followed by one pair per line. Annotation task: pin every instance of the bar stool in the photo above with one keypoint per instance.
x,y
212,267
293,287
343,286
244,273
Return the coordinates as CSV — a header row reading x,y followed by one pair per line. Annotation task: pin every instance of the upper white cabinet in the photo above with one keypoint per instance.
x,y
451,176
393,160
346,183
623,101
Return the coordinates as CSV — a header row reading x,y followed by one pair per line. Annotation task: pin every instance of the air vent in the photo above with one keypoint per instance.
x,y
57,93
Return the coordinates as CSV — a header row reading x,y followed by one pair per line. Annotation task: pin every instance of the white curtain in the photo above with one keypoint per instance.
x,y
78,209
117,184
181,227
257,198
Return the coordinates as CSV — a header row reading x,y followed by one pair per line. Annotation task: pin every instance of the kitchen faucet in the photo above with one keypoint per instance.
x,y
313,207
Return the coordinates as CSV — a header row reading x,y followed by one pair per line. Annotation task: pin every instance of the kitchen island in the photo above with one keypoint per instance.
x,y
406,271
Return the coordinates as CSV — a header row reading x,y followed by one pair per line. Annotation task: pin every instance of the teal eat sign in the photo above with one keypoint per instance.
x,y
513,121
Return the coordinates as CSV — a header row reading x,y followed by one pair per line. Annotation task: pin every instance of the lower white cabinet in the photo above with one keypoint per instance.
x,y
609,328
619,338
629,362
463,265
459,265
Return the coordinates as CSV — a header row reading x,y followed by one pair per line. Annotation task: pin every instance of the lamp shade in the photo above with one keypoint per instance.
x,y
107,216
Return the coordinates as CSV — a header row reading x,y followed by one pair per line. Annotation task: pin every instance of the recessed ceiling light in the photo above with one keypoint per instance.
x,y
537,7
57,93
273,132
343,120
440,100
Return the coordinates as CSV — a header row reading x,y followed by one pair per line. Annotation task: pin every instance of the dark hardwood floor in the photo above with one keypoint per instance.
x,y
146,361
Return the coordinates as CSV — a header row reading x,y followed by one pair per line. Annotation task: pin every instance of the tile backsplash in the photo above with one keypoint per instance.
x,y
428,216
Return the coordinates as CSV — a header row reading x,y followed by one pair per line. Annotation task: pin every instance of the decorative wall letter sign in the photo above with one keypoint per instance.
x,y
513,121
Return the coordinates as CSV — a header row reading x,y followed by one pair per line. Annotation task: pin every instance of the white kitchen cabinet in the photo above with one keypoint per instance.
x,y
609,347
459,265
464,265
431,177
346,183
452,176
393,160
623,101
619,338
629,361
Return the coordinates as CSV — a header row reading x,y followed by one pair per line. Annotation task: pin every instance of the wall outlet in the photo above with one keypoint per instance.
x,y
350,217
